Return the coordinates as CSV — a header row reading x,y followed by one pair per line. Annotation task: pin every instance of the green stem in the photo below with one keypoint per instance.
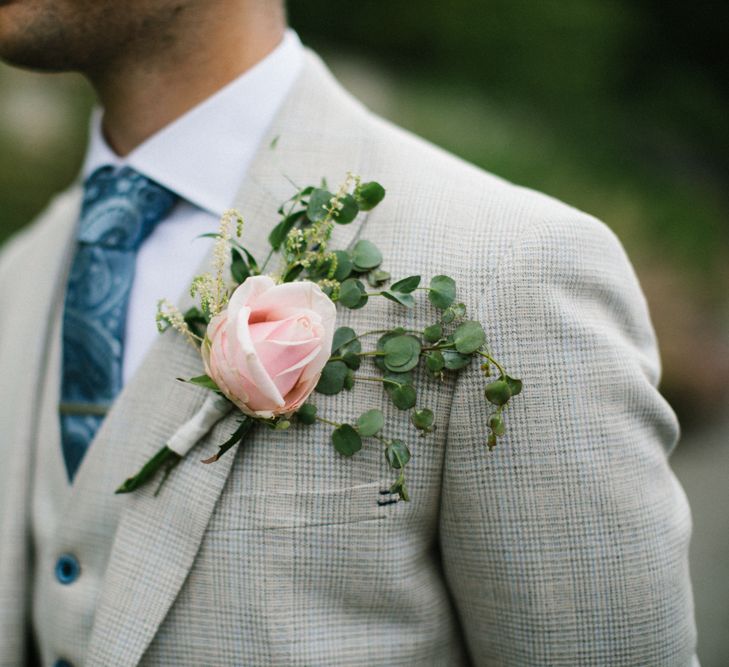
x,y
327,421
267,260
493,361
444,346
164,457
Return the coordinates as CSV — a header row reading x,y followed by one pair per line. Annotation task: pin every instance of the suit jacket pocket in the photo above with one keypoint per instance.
x,y
298,509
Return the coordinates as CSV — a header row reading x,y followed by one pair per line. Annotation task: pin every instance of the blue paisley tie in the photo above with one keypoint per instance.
x,y
119,211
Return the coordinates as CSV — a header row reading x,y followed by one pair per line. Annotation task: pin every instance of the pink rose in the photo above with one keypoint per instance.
x,y
266,351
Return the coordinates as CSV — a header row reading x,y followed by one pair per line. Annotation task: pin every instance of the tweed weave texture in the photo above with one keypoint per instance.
x,y
567,545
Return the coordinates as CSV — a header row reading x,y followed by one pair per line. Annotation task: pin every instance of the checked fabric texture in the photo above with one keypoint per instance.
x,y
120,209
567,546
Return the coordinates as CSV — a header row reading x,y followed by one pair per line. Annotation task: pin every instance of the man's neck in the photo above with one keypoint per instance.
x,y
141,95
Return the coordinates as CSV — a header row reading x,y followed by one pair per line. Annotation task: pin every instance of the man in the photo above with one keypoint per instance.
x,y
567,545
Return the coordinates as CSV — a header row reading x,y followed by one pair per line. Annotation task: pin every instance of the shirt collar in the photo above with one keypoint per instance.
x,y
204,154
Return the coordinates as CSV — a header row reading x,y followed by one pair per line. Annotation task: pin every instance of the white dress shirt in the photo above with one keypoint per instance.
x,y
202,157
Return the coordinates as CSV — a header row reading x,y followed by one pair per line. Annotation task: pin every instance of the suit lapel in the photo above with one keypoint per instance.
x,y
158,537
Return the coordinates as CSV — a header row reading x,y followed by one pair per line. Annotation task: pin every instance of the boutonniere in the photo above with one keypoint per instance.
x,y
269,340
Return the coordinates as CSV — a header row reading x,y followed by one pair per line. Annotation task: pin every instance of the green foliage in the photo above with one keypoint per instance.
x,y
400,291
399,298
403,396
370,422
332,378
442,291
345,266
406,285
352,294
377,277
423,419
319,203
280,231
345,339
469,337
348,212
196,321
381,342
365,255
203,381
496,424
238,266
433,333
435,361
306,414
497,392
397,454
455,361
368,195
514,385
346,440
402,353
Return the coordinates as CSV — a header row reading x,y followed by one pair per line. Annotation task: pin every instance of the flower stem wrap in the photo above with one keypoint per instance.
x,y
183,440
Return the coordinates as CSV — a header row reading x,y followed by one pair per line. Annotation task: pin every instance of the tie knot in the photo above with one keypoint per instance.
x,y
121,207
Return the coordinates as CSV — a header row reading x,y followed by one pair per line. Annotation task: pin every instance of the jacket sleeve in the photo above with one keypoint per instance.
x,y
568,543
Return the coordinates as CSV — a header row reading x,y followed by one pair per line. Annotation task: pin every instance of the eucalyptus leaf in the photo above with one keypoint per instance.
x,y
352,294
442,291
454,360
402,353
332,378
397,454
469,337
377,277
370,422
343,336
319,203
403,396
514,385
400,378
406,285
402,299
433,333
353,361
379,360
348,212
366,255
281,230
369,195
349,380
346,440
344,265
306,414
497,392
434,361
422,419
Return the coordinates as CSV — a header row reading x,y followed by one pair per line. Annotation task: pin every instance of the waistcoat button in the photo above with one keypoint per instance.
x,y
67,571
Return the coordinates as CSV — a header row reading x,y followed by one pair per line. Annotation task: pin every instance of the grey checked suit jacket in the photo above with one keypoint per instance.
x,y
567,545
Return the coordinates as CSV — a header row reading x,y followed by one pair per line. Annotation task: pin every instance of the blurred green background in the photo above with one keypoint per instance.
x,y
617,107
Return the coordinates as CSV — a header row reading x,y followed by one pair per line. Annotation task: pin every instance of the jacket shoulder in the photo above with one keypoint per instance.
x,y
475,201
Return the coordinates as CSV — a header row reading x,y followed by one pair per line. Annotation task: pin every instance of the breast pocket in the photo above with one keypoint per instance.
x,y
301,509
